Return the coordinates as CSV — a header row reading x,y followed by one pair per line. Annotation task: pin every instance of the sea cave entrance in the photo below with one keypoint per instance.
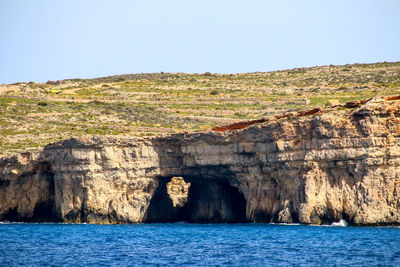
x,y
196,201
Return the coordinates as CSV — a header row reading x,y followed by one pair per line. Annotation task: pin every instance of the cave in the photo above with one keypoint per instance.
x,y
161,208
205,202
44,210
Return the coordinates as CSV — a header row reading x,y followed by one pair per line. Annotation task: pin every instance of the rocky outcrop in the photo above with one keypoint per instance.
x,y
342,164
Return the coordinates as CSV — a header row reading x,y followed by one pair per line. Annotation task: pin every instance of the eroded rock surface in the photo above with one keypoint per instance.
x,y
344,164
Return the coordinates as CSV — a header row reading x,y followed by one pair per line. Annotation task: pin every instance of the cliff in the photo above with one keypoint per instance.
x,y
320,168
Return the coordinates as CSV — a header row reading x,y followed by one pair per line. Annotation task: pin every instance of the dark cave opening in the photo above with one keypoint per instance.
x,y
206,202
11,215
329,217
215,202
161,208
44,210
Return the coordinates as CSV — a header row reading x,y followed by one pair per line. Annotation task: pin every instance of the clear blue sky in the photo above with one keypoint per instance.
x,y
44,40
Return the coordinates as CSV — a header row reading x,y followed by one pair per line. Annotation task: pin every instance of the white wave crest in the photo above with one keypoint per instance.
x,y
341,223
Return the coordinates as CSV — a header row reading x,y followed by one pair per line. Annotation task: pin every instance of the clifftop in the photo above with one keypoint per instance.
x,y
34,114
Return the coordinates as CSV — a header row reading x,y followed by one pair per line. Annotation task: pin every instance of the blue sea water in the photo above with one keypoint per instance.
x,y
181,244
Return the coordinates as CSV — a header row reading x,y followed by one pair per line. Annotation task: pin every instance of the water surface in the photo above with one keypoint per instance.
x,y
197,245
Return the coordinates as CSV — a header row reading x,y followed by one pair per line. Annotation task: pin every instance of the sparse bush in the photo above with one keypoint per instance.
x,y
207,73
214,92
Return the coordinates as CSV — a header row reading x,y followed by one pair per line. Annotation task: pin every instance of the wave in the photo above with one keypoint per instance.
x,y
7,222
341,223
290,224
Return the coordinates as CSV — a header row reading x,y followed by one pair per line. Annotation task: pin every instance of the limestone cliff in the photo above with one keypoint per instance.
x,y
341,164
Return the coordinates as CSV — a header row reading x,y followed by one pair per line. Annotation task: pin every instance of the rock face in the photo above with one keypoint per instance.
x,y
316,169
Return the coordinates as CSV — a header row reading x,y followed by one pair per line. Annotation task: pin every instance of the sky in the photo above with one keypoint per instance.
x,y
44,40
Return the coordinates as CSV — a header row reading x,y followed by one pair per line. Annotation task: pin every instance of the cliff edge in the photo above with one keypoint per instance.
x,y
319,168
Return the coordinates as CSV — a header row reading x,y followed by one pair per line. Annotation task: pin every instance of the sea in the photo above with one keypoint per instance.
x,y
184,244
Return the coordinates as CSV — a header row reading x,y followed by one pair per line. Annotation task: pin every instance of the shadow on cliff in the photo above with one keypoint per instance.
x,y
210,199
207,202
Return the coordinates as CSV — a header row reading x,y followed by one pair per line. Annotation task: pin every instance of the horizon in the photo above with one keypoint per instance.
x,y
46,40
213,73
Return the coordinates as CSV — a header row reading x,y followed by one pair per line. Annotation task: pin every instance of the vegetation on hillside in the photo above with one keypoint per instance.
x,y
34,114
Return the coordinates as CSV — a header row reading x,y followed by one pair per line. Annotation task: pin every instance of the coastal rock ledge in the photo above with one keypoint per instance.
x,y
341,164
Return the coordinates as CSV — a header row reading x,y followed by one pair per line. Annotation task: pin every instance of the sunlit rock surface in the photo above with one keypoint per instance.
x,y
341,164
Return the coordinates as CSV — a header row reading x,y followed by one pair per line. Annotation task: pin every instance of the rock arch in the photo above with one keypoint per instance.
x,y
206,201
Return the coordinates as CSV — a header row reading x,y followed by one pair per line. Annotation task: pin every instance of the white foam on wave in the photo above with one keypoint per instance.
x,y
7,222
341,223
290,224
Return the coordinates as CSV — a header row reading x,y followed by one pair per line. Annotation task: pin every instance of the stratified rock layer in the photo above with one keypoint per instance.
x,y
344,164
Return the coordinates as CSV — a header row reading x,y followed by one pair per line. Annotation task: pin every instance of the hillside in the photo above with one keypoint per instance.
x,y
34,114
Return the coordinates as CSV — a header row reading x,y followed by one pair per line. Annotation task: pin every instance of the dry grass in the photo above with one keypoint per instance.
x,y
160,103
